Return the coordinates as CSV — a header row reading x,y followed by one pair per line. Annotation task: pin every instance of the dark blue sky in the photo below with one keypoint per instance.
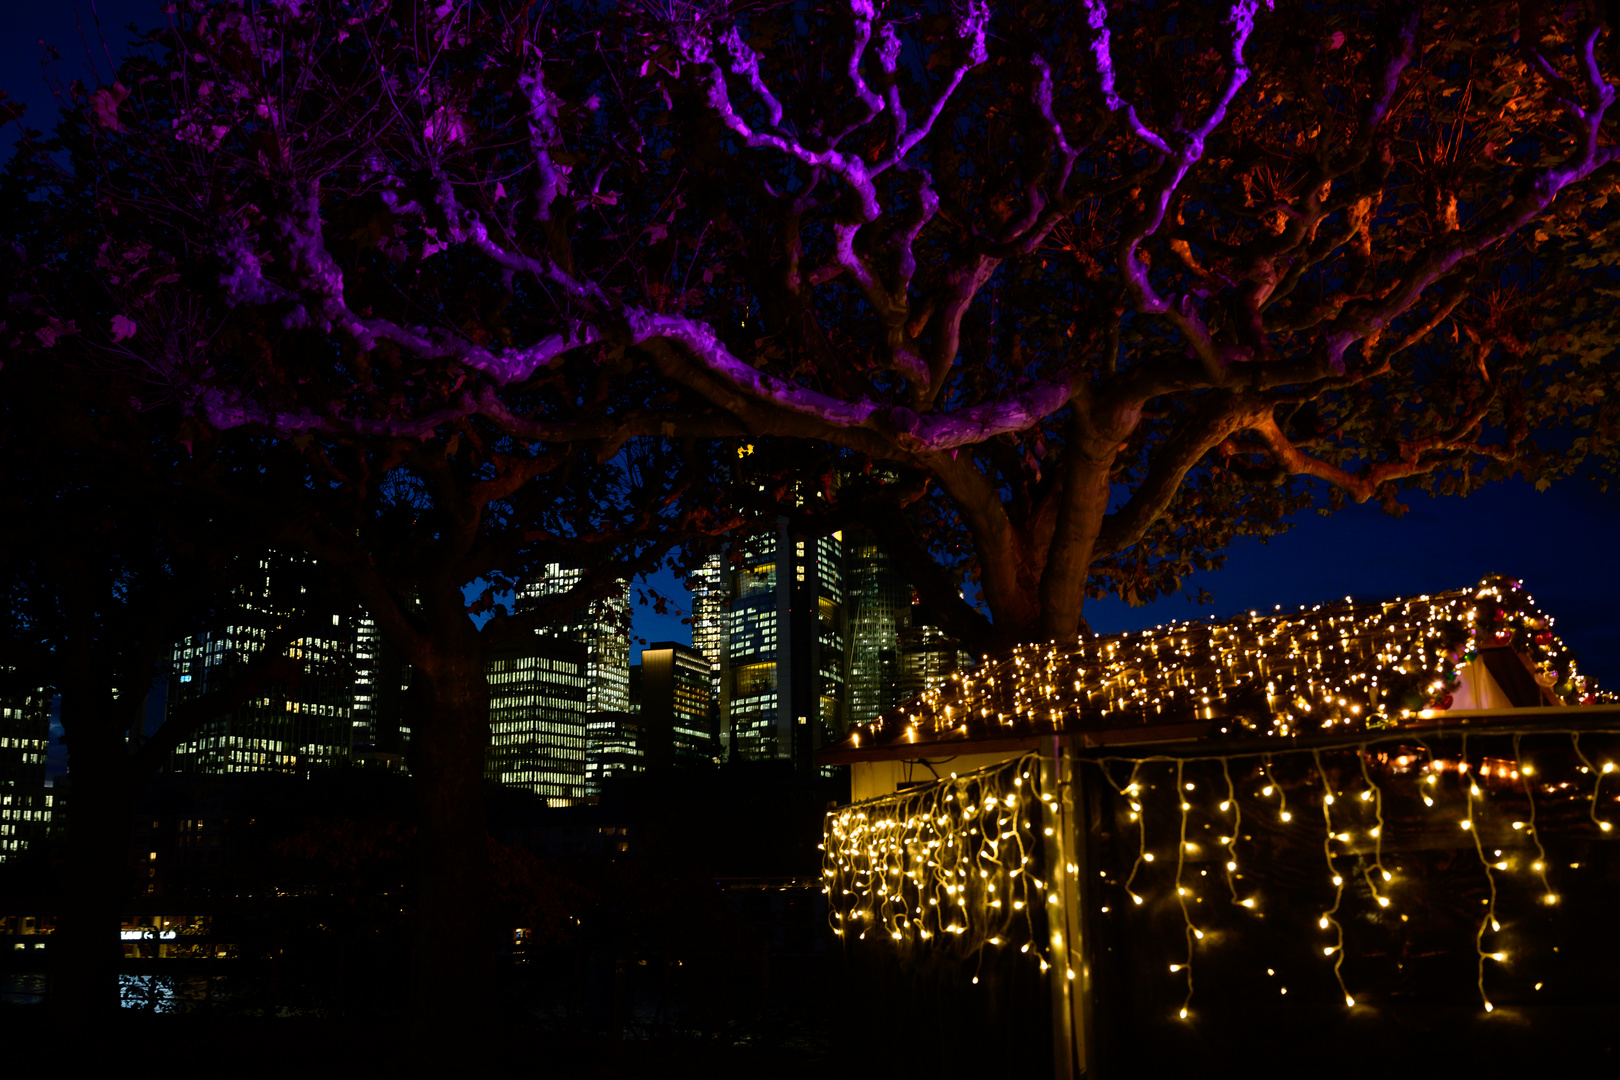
x,y
1562,543
26,23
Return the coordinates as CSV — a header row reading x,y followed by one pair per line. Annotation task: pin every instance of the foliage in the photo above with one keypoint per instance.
x,y
162,249
1158,277
379,456
1101,290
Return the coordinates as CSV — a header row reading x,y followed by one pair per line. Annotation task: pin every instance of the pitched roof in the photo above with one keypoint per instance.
x,y
1329,668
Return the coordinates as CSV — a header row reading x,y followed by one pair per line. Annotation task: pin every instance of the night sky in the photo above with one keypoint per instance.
x,y
1561,543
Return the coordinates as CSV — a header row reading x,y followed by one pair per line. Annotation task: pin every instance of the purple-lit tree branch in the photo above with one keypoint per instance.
x,y
1067,267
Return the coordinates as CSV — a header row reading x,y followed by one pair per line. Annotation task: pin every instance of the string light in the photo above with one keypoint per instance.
x,y
1377,799
1329,917
957,862
1231,838
1341,667
907,870
1597,783
1191,931
1489,921
1132,789
1540,865
1282,796
1471,774
953,861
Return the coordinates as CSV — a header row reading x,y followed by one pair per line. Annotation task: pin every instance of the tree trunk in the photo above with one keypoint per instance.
x,y
94,881
453,971
1069,550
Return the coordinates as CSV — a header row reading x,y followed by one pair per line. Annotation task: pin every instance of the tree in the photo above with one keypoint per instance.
x,y
377,457
1122,286
98,579
1115,281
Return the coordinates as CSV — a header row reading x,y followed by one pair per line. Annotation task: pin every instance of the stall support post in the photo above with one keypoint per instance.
x,y
1068,944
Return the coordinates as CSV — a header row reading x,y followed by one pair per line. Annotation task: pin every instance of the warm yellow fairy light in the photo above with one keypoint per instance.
x,y
1336,661
1192,933
1597,784
1337,949
1474,778
1489,922
905,862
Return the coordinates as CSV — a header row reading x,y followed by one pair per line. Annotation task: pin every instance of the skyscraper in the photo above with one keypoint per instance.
x,y
677,705
710,604
296,726
879,610
893,655
381,680
538,689
928,656
25,732
603,628
782,680
612,747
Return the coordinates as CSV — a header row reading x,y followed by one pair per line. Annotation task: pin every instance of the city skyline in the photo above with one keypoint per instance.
x,y
1442,542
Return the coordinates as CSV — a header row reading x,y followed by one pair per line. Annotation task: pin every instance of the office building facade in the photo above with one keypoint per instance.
x,y
613,747
25,732
538,692
380,732
928,657
879,611
893,655
782,677
306,723
711,595
677,706
603,628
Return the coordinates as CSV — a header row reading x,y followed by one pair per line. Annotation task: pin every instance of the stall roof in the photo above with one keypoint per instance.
x,y
1331,668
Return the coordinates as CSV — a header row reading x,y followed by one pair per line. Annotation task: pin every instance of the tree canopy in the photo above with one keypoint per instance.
x,y
1120,286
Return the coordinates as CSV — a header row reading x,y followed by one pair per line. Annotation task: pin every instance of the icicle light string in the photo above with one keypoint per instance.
x,y
1488,921
1597,782
1133,791
1271,785
1130,791
1192,933
1374,794
1330,917
956,860
1232,806
1524,770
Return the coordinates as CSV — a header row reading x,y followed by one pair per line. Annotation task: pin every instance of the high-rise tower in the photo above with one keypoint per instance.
x,y
782,680
603,628
879,611
381,680
25,732
538,687
677,705
928,656
710,603
296,726
893,655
